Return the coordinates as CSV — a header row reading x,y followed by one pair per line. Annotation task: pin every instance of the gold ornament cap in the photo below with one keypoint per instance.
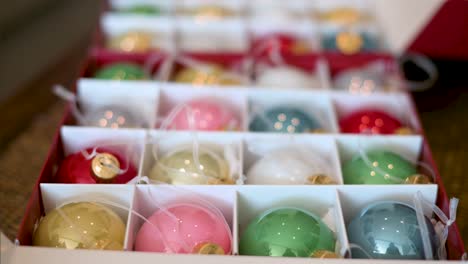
x,y
324,254
208,248
418,179
320,179
348,42
105,167
404,131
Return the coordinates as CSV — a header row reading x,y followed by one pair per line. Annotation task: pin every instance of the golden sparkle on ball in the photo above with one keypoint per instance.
x,y
132,41
81,225
349,42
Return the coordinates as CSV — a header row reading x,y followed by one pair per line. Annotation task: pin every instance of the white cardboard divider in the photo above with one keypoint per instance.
x,y
164,142
75,139
264,7
226,35
149,198
174,94
138,97
320,200
316,104
395,104
302,28
258,145
327,5
162,27
55,195
354,198
166,6
408,147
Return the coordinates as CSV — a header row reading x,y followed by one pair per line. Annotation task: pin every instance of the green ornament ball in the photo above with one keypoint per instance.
x,y
377,167
143,10
287,232
121,71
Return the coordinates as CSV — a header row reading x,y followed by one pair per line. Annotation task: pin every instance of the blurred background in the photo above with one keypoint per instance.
x,y
45,42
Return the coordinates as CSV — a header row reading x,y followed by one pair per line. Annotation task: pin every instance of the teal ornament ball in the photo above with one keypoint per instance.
x,y
286,232
121,71
390,230
284,119
377,167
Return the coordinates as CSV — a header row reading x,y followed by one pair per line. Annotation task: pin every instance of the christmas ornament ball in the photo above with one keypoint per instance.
x,y
389,230
211,74
131,41
179,167
105,167
287,166
284,119
81,225
207,114
112,116
287,77
377,167
369,121
359,81
121,71
286,232
185,228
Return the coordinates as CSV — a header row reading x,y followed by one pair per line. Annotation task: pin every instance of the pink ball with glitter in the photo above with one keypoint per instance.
x,y
184,228
207,115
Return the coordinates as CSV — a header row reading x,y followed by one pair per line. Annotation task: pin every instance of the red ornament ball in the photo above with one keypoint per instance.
x,y
369,121
284,43
105,167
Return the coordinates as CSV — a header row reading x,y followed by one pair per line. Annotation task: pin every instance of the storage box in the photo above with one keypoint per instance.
x,y
239,203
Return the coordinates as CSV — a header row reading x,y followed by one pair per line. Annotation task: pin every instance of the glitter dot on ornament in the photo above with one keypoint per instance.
x,y
369,121
132,41
112,117
349,42
286,232
287,166
81,225
179,167
390,230
287,77
105,167
357,81
284,119
210,74
184,229
207,114
377,167
121,71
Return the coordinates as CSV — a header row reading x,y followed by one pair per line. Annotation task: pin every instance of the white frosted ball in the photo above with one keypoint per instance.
x,y
287,77
286,167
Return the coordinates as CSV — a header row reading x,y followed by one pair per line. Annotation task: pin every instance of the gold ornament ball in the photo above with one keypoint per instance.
x,y
349,42
133,41
81,225
211,12
180,168
211,75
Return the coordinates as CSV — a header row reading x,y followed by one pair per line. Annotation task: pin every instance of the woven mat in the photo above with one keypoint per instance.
x,y
21,161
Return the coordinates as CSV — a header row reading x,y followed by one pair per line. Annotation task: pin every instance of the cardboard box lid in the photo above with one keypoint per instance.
x,y
437,28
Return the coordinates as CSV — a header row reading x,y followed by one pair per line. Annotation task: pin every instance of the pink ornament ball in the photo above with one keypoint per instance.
x,y
184,229
208,115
